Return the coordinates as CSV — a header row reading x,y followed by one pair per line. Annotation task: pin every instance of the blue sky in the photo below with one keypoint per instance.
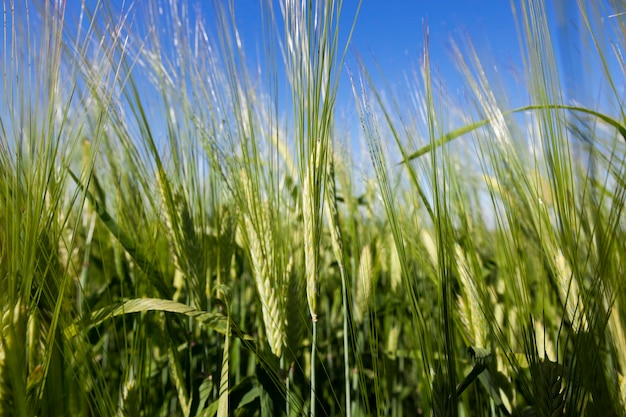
x,y
392,34
392,30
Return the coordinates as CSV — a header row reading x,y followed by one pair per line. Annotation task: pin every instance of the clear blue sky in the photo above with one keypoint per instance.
x,y
391,31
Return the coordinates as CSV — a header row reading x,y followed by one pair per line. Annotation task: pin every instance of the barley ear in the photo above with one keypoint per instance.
x,y
365,283
311,234
336,239
259,237
569,294
395,268
295,307
471,313
549,390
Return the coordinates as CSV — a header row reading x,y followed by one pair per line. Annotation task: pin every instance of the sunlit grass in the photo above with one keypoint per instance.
x,y
178,238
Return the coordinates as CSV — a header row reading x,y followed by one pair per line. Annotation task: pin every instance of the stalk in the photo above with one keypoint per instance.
x,y
313,376
346,342
313,63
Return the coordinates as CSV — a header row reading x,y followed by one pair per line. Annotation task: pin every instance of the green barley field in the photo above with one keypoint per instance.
x,y
179,238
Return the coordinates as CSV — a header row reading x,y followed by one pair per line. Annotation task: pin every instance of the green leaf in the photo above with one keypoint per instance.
x,y
129,244
214,321
204,392
454,134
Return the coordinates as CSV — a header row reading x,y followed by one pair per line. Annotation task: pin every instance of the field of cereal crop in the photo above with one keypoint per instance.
x,y
175,240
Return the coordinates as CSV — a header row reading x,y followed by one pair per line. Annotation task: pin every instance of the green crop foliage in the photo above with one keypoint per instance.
x,y
179,237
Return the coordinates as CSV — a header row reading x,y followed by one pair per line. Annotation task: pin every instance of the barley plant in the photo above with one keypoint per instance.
x,y
185,231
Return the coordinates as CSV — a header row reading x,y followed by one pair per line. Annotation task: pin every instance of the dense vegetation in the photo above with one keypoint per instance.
x,y
178,238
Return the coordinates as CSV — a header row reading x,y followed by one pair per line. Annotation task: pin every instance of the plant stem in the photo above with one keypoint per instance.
x,y
346,344
313,349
